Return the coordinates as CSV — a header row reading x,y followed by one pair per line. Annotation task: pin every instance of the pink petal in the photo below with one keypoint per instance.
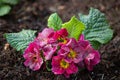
x,y
26,63
56,60
46,32
72,43
43,37
31,65
64,50
38,65
84,44
81,37
96,59
63,32
48,51
60,33
57,70
78,58
72,69
92,59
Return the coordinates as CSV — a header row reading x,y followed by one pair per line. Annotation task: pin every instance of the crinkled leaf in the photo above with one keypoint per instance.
x,y
54,21
97,28
21,39
12,2
4,9
74,27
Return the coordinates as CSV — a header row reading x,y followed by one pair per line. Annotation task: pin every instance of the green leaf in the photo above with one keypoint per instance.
x,y
12,2
97,28
21,39
74,27
4,9
1,2
95,44
54,21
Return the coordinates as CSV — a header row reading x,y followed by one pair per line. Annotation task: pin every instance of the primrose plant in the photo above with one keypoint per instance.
x,y
64,47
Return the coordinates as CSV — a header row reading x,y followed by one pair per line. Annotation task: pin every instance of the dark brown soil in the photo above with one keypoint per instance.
x,y
33,14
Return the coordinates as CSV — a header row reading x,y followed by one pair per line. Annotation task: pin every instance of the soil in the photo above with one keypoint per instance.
x,y
33,14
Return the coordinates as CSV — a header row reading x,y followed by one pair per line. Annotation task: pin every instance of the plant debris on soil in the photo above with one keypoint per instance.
x,y
33,14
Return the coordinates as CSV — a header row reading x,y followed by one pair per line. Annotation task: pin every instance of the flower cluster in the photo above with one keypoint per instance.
x,y
66,54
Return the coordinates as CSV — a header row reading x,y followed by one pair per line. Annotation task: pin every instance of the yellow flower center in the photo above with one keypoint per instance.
x,y
62,40
35,58
64,64
72,54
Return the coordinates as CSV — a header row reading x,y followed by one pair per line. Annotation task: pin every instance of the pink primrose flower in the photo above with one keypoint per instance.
x,y
33,57
83,43
47,43
91,59
60,36
91,56
44,37
71,51
61,66
49,50
60,33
